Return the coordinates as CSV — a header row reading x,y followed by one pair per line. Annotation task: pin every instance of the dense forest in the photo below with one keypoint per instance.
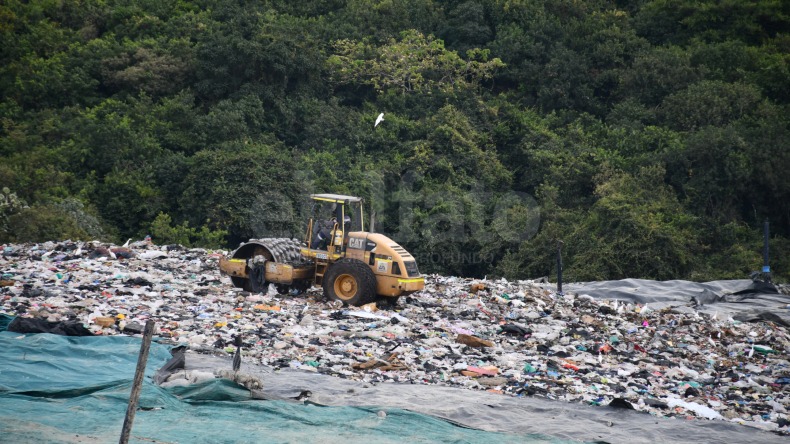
x,y
652,137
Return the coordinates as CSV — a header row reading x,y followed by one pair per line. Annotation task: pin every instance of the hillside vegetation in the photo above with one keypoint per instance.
x,y
651,137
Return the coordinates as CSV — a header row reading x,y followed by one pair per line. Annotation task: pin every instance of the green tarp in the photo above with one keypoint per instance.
x,y
76,389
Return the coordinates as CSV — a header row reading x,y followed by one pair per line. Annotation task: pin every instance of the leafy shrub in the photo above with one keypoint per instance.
x,y
164,232
41,223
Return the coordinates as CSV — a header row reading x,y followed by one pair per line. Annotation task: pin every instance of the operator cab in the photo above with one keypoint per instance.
x,y
333,216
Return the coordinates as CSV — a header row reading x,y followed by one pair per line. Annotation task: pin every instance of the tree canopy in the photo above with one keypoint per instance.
x,y
650,137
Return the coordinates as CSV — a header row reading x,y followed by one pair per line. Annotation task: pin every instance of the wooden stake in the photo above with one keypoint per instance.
x,y
138,382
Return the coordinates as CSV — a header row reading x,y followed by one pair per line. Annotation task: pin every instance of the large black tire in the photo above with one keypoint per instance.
x,y
351,282
244,284
388,301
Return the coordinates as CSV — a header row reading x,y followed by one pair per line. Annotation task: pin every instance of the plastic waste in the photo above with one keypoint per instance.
x,y
512,337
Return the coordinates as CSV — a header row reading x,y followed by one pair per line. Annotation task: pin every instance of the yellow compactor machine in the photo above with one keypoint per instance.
x,y
350,264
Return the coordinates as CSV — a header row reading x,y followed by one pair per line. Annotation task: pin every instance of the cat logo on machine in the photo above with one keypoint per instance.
x,y
357,243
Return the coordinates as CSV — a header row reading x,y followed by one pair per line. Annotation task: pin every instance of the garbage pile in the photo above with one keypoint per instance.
x,y
518,338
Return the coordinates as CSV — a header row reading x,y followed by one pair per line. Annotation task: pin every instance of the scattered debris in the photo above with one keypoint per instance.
x,y
511,337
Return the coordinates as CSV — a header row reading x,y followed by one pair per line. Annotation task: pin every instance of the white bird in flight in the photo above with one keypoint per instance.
x,y
379,119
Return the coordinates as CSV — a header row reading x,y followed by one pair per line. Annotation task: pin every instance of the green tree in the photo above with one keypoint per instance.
x,y
164,232
637,228
413,64
10,204
709,103
41,223
657,73
223,115
249,189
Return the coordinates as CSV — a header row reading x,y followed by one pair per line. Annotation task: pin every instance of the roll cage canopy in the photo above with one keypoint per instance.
x,y
336,198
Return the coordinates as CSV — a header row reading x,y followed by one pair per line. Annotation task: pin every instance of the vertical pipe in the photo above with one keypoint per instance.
x,y
559,266
137,386
766,266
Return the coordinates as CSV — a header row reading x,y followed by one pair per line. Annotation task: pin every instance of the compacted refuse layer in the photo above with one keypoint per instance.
x,y
711,352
